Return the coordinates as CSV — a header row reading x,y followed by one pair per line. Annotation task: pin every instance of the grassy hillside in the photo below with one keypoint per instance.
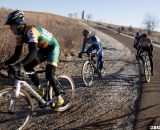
x,y
66,30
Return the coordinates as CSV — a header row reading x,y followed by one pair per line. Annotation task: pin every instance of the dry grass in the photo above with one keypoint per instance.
x,y
66,30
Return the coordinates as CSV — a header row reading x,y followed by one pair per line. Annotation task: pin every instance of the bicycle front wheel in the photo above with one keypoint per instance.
x,y
67,90
15,113
87,73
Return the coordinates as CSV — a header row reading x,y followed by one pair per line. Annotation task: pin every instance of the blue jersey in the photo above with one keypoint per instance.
x,y
91,40
137,39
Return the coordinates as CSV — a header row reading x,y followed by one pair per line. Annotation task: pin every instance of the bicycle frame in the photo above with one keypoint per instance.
x,y
92,60
18,86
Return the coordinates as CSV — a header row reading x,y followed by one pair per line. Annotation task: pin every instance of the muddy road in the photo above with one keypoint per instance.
x,y
148,103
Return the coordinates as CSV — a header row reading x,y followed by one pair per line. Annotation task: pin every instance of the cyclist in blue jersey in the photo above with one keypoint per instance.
x,y
95,45
137,38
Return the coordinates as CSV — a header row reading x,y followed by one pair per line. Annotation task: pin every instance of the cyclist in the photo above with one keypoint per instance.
x,y
136,42
146,44
41,46
95,45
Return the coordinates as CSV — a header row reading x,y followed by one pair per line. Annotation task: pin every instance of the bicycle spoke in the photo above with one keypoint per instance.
x,y
88,73
14,112
67,90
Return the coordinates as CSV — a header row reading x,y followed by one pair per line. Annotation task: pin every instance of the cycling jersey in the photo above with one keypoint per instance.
x,y
145,41
37,37
40,36
136,40
91,40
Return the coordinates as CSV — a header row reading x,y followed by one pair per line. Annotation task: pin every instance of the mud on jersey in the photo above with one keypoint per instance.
x,y
37,35
44,39
41,36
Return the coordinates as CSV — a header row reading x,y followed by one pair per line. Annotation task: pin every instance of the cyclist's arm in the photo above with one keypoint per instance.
x,y
83,46
32,48
16,55
135,40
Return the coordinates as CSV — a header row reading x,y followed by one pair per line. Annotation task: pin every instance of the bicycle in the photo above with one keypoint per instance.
x,y
16,104
91,68
144,56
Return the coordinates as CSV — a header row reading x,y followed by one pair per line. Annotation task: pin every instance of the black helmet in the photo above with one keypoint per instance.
x,y
16,17
86,32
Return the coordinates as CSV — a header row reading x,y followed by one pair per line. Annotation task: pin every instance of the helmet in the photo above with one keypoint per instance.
x,y
16,17
86,32
137,33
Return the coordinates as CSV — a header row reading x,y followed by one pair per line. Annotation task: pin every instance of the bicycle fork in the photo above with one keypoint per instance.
x,y
14,94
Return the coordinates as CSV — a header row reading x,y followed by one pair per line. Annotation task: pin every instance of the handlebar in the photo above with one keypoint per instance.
x,y
11,72
92,54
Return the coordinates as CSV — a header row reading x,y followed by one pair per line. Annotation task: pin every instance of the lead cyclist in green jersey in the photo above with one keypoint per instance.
x,y
41,46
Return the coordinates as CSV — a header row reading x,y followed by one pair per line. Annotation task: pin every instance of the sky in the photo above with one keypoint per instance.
x,y
120,12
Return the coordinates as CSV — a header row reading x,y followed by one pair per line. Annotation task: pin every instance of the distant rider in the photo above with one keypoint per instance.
x,y
136,42
95,45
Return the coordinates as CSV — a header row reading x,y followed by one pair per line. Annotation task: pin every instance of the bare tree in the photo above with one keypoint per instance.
x,y
89,16
70,15
150,23
75,15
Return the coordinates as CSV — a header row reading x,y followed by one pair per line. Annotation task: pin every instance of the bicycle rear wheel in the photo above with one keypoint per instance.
x,y
147,68
15,113
67,90
87,73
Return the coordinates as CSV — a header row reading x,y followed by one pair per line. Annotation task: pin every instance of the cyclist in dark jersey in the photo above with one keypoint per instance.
x,y
41,46
146,44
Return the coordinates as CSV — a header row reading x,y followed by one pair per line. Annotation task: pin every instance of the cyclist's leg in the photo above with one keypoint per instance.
x,y
150,58
53,59
101,58
89,50
30,67
138,52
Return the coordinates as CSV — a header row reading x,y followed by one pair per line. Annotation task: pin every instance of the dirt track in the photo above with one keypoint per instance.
x,y
148,105
109,104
